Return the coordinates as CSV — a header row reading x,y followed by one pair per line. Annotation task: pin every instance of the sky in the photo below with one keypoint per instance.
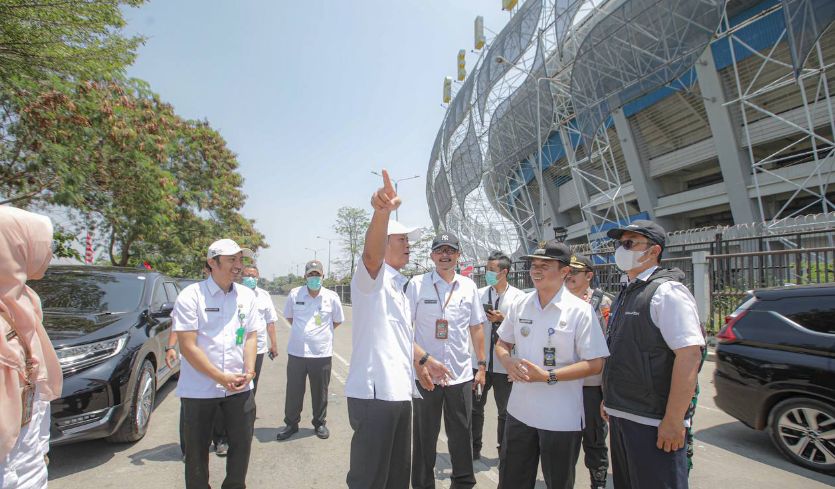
x,y
312,96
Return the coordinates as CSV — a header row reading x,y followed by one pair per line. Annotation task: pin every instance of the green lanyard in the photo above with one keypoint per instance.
x,y
239,333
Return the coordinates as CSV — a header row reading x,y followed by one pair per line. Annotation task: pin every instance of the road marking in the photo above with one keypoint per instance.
x,y
339,357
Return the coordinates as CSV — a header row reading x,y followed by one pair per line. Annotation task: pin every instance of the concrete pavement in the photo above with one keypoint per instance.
x,y
728,454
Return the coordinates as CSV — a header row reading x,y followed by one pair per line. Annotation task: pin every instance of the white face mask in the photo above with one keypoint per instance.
x,y
628,259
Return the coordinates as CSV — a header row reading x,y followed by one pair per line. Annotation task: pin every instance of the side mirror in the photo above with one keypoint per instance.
x,y
164,310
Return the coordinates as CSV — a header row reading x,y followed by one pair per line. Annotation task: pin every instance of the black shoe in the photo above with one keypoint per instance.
x,y
221,448
286,432
476,454
323,432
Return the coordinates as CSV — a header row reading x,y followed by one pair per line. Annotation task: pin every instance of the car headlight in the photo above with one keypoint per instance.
x,y
76,357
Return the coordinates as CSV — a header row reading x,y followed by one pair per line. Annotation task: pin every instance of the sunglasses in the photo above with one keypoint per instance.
x,y
628,244
575,271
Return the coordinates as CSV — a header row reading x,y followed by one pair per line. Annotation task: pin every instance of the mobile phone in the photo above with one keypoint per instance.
x,y
271,355
487,308
478,393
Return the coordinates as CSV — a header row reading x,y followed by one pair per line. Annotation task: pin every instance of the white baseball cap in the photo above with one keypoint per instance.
x,y
396,228
226,247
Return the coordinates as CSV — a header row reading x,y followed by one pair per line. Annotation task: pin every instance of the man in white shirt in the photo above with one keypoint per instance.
x,y
313,313
656,341
380,382
558,343
496,298
447,313
267,316
216,324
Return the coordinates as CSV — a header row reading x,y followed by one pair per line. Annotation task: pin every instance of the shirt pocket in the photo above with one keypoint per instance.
x,y
563,341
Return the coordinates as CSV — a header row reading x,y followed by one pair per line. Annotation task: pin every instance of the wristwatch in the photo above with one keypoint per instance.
x,y
169,348
552,377
423,359
482,363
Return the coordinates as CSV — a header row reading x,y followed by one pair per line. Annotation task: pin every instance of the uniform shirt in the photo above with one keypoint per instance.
x,y
490,297
427,294
311,331
673,310
382,337
577,336
266,315
215,315
602,312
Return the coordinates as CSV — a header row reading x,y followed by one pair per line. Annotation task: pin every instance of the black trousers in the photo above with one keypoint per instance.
x,y
500,386
318,370
259,362
454,403
381,445
594,435
638,463
524,447
239,417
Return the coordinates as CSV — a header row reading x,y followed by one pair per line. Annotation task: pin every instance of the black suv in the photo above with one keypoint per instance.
x,y
109,327
775,369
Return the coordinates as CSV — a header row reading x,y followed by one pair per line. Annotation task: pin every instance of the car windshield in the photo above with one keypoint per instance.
x,y
96,292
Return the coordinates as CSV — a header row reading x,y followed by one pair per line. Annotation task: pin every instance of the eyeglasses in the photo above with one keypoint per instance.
x,y
445,251
628,244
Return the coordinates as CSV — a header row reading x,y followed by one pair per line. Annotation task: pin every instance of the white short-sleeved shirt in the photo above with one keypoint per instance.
x,y
427,294
382,338
216,316
673,310
490,297
267,315
576,336
312,320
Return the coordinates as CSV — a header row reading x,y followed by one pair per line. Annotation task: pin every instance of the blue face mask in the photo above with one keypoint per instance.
x,y
314,283
492,278
250,282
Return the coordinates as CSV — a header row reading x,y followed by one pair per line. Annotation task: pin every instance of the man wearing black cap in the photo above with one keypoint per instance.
x,y
656,342
447,314
558,343
594,433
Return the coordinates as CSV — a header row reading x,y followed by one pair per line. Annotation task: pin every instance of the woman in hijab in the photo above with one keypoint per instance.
x,y
30,374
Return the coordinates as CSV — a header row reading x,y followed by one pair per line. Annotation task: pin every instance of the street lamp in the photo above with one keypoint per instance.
x,y
396,214
315,252
329,252
540,170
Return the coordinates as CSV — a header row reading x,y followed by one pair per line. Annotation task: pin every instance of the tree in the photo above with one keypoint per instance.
x,y
419,252
79,40
351,225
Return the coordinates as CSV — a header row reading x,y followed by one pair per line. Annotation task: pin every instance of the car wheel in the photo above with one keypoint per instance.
x,y
804,431
141,406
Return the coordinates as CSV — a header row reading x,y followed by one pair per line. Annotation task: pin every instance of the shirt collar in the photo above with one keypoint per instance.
x,y
557,300
395,274
643,276
436,278
213,287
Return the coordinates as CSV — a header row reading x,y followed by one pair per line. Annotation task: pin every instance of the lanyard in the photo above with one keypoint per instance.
x,y
490,298
451,291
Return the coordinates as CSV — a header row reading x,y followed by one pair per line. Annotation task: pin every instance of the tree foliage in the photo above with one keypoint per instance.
x,y
78,39
351,225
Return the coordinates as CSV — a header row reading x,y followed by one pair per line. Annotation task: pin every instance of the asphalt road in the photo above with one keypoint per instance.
x,y
728,454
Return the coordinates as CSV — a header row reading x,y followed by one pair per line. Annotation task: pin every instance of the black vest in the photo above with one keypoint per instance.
x,y
637,375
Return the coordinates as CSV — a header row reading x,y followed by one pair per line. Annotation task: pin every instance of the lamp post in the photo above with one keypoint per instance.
x,y
396,214
329,252
315,252
540,167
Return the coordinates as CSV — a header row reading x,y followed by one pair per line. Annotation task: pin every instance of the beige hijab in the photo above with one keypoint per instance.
x,y
25,252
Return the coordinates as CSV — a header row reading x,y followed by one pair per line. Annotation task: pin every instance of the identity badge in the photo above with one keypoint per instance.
x,y
441,329
550,356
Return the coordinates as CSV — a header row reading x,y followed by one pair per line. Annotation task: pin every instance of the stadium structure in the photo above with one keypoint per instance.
x,y
584,114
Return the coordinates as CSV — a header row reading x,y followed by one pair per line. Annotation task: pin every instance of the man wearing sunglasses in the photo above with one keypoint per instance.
x,y
594,432
447,314
656,342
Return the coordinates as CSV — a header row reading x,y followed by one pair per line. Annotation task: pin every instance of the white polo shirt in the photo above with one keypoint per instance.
x,y
312,318
427,294
673,310
266,315
216,316
490,297
382,337
576,336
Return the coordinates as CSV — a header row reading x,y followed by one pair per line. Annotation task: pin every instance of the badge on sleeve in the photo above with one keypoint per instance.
x,y
549,356
441,329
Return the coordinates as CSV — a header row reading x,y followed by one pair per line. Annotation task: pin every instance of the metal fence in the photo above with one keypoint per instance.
x,y
733,275
344,292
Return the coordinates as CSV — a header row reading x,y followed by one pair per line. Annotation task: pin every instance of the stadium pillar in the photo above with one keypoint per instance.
x,y
733,158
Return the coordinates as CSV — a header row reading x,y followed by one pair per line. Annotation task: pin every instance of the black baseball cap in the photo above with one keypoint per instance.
x,y
581,262
446,239
552,250
651,230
